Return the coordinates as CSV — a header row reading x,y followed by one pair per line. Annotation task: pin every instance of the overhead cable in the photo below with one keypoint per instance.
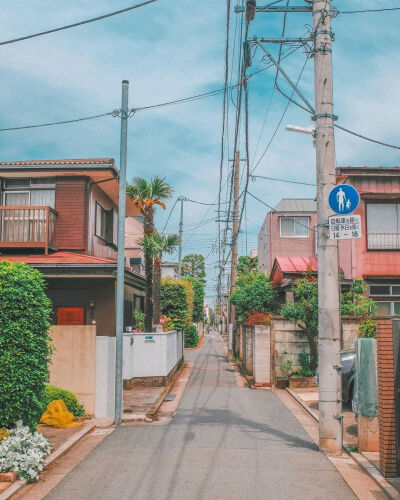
x,y
367,10
367,138
79,23
281,180
49,124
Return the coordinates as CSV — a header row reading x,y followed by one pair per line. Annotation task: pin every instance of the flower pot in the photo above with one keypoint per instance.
x,y
301,382
281,383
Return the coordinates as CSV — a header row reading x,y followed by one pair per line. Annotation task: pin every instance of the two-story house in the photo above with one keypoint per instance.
x,y
287,231
61,216
376,256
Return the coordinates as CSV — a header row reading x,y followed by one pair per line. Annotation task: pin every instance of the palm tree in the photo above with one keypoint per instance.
x,y
145,195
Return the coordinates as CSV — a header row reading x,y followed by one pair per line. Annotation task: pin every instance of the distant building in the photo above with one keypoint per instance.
x,y
169,270
288,231
254,253
134,257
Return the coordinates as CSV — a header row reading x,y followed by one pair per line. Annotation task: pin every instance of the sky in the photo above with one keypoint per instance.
x,y
175,48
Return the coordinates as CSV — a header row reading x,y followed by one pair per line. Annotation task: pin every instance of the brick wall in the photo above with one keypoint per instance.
x,y
386,401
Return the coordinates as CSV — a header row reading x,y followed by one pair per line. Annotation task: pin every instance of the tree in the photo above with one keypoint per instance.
x,y
194,265
247,264
198,298
253,293
157,244
25,348
304,310
145,195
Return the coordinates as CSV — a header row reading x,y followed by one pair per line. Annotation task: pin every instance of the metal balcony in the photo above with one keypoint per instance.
x,y
383,241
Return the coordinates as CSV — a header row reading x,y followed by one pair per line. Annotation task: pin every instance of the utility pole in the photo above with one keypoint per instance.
x,y
181,199
235,237
331,420
119,321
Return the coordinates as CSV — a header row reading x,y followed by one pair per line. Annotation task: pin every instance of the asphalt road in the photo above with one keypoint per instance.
x,y
225,442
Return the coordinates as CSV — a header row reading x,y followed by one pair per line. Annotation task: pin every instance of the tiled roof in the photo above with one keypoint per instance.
x,y
79,161
297,205
58,258
297,264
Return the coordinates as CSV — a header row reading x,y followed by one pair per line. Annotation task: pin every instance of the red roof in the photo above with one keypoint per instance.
x,y
58,258
297,264
69,161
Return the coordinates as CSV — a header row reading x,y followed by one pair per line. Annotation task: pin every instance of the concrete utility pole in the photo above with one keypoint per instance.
x,y
119,321
181,199
330,422
235,237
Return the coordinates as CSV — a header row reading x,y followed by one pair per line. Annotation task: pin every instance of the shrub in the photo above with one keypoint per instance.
x,y
51,393
191,337
177,302
253,293
24,452
259,318
25,347
198,298
138,317
367,328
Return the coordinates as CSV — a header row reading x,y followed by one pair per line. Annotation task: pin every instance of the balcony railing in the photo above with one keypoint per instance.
x,y
383,241
27,227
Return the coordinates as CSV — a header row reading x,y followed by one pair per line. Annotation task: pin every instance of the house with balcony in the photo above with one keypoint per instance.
x,y
287,231
376,256
60,217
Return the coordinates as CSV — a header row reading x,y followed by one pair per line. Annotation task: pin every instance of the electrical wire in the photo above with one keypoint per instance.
x,y
57,123
366,138
170,213
366,10
282,180
79,23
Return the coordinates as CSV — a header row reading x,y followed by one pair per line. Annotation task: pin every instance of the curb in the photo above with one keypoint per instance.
x,y
69,443
359,458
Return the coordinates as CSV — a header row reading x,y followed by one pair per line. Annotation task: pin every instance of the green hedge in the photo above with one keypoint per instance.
x,y
25,348
191,337
198,298
177,302
51,393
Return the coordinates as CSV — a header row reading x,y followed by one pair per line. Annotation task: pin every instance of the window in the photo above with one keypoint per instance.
x,y
106,225
294,227
383,226
387,298
33,192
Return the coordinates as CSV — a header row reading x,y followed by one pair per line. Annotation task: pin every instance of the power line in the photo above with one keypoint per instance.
x,y
79,23
281,180
366,10
367,138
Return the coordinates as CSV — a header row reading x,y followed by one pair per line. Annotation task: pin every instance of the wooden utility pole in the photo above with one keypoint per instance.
x,y
331,420
235,237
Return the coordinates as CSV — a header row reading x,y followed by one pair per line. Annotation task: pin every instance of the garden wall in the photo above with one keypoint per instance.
x,y
151,358
73,363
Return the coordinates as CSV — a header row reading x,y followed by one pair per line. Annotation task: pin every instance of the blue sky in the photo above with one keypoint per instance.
x,y
175,48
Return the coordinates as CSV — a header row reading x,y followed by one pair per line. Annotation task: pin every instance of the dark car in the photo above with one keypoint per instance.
x,y
347,360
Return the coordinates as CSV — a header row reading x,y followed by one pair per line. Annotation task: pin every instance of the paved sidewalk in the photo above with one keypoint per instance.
x,y
225,442
138,401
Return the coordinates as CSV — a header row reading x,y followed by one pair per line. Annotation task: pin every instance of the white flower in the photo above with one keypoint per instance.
x,y
24,452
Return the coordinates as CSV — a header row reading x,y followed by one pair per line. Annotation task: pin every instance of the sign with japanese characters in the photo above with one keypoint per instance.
x,y
345,227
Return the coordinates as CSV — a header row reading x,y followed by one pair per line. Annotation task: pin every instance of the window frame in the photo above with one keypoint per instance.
x,y
293,218
381,201
109,234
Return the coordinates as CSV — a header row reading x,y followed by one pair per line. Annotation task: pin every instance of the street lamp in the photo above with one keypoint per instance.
x,y
301,130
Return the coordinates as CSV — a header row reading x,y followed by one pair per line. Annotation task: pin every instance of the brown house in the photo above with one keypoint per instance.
x,y
61,216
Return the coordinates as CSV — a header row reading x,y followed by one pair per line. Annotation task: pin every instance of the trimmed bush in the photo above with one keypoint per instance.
x,y
25,347
177,302
191,337
51,393
198,298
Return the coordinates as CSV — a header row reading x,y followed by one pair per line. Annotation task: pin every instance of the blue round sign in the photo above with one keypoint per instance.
x,y
344,199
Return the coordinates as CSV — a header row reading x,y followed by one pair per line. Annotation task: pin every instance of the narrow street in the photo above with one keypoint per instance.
x,y
225,442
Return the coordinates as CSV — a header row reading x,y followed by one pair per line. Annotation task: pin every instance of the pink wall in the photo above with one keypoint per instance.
x,y
289,247
355,260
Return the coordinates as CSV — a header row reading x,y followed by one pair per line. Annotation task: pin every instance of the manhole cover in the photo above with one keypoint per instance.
x,y
169,397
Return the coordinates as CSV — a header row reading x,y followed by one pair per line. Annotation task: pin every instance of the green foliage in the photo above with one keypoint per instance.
x,y
191,337
198,298
156,189
25,347
253,293
51,393
138,317
246,264
177,302
367,328
355,303
194,265
306,369
286,367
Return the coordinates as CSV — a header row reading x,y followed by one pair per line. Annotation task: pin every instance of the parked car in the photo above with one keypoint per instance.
x,y
347,360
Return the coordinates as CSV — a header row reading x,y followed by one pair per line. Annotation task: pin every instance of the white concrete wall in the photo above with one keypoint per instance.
x,y
151,357
105,380
262,354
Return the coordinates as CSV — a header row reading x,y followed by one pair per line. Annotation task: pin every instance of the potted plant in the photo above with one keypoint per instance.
x,y
285,368
304,377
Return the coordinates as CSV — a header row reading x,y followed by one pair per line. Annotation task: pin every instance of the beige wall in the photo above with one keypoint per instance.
x,y
73,364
